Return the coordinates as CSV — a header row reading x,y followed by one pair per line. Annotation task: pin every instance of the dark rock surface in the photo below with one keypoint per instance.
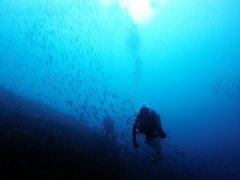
x,y
40,143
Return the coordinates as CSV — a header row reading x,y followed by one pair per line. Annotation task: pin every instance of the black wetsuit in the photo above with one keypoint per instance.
x,y
149,125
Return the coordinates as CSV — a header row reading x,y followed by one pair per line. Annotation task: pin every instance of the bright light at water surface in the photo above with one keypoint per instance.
x,y
141,11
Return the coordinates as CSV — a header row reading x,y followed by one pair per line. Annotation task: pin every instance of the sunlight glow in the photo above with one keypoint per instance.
x,y
141,11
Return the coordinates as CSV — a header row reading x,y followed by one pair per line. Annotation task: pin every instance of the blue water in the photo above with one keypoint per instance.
x,y
85,58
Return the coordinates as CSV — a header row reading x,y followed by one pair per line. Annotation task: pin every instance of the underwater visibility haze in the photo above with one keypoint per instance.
x,y
67,64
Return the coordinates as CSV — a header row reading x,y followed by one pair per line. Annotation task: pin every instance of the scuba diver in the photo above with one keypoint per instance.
x,y
148,123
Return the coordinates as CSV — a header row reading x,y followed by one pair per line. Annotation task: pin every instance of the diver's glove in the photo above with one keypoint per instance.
x,y
162,134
